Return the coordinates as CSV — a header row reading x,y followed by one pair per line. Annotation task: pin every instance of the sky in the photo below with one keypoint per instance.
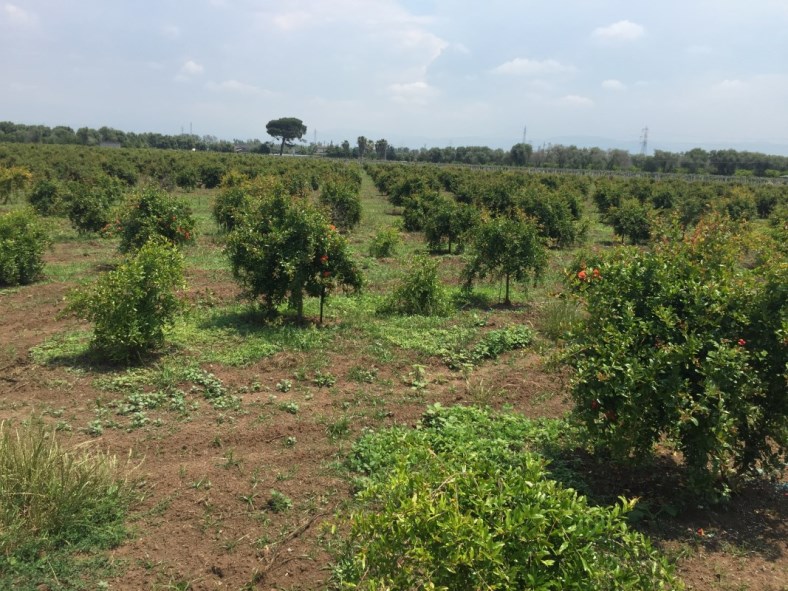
x,y
708,73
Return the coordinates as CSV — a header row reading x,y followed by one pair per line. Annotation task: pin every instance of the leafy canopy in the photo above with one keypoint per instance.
x,y
286,129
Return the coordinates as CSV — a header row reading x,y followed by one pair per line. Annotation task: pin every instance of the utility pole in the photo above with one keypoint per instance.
x,y
644,141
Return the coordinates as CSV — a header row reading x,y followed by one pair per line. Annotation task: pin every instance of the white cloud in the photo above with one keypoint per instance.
x,y
19,16
614,85
621,31
189,70
417,93
386,29
237,87
573,100
527,67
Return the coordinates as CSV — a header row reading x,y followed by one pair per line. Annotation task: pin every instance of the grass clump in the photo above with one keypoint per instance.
x,y
52,498
459,504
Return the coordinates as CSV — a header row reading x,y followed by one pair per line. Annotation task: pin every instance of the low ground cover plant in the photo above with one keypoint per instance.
x,y
459,504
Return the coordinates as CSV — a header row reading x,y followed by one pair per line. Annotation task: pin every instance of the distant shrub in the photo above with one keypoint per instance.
x,y
154,214
343,203
510,248
283,248
449,221
46,198
238,194
384,244
12,180
739,204
89,205
132,305
632,220
23,240
420,291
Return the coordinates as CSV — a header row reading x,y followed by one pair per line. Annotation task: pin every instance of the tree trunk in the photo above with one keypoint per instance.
x,y
322,299
282,147
506,299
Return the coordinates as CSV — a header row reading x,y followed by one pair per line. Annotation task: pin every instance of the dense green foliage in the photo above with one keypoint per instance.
x,y
686,345
23,240
507,248
460,504
90,204
46,198
343,204
12,181
285,248
152,214
132,305
632,220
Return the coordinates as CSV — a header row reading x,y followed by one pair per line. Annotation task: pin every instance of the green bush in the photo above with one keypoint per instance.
x,y
686,346
154,214
458,504
46,198
450,221
420,292
343,203
384,243
23,239
238,194
632,220
89,205
51,497
13,180
510,248
285,248
132,305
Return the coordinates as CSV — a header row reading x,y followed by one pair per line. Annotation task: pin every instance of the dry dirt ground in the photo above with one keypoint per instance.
x,y
205,520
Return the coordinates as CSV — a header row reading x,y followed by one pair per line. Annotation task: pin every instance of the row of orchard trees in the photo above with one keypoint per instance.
x,y
282,223
685,342
442,202
685,339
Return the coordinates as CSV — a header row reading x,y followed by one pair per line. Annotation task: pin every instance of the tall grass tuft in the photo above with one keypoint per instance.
x,y
560,317
51,497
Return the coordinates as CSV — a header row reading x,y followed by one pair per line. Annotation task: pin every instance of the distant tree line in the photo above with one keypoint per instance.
x,y
557,156
695,161
87,136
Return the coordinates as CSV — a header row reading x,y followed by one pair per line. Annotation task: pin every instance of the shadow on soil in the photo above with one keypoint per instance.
x,y
752,521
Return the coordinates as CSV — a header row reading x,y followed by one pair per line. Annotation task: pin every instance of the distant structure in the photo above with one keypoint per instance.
x,y
525,128
644,141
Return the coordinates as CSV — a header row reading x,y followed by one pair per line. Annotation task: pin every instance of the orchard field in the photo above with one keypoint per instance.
x,y
413,397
